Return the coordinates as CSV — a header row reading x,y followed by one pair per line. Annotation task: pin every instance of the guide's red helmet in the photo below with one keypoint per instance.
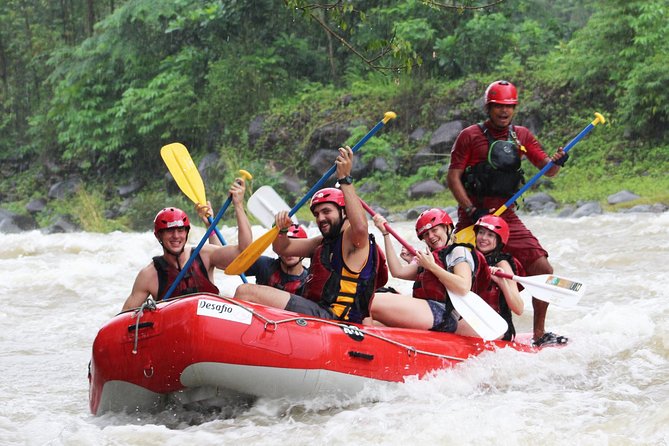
x,y
501,92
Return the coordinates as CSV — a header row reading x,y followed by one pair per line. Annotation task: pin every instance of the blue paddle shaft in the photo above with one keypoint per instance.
x,y
198,248
539,174
332,169
222,240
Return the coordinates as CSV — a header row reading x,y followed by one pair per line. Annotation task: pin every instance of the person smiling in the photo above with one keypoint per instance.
x,y
492,233
445,268
346,264
485,171
171,227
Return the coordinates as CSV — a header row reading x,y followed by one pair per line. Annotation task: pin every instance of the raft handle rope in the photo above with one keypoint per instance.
x,y
411,350
150,305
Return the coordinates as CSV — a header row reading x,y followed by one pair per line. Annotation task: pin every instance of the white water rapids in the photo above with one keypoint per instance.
x,y
609,386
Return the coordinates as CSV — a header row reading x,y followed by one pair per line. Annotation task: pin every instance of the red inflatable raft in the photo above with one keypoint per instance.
x,y
203,346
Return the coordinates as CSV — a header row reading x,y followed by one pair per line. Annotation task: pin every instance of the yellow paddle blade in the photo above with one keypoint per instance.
x,y
247,257
184,171
466,235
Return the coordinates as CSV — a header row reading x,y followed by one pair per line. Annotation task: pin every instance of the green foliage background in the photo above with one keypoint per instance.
x,y
94,89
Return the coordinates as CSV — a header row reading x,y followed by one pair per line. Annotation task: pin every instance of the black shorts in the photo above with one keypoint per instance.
x,y
442,320
299,304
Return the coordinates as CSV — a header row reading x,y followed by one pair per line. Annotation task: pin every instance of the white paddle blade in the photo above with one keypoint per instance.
x,y
265,203
485,321
553,289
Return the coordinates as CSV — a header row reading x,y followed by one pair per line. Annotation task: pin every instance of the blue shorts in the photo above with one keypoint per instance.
x,y
299,304
443,321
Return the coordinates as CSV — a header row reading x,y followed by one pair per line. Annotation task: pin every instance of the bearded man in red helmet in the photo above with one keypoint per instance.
x,y
171,227
485,172
346,263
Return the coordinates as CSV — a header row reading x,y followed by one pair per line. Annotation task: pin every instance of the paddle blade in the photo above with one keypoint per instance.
x,y
247,257
483,319
466,235
265,203
555,290
184,171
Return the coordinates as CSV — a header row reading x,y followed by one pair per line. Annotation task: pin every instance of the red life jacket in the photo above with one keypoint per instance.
x,y
334,286
490,292
196,280
427,285
279,279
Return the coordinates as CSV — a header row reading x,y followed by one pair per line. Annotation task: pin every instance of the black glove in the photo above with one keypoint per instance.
x,y
477,213
562,160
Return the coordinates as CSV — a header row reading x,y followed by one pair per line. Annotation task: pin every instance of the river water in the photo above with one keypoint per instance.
x,y
609,386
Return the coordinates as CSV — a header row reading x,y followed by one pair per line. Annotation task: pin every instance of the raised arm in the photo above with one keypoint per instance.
x,y
358,233
285,246
244,234
204,211
397,269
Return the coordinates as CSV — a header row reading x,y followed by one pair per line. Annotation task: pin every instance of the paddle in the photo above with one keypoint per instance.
x,y
265,203
467,235
483,319
255,249
550,288
185,173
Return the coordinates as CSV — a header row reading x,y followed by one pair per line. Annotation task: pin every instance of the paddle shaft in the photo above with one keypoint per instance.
x,y
404,243
246,258
387,117
198,248
598,118
550,287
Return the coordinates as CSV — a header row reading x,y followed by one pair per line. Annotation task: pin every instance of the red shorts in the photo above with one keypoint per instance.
x,y
522,244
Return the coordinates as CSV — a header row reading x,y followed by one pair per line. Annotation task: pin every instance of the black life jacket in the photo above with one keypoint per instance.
x,y
196,280
286,282
500,174
334,286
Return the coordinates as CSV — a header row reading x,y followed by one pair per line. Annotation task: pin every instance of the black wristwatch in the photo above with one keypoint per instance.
x,y
346,180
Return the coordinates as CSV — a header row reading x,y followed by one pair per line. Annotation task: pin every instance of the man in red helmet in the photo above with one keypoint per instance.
x,y
485,172
285,272
346,264
171,227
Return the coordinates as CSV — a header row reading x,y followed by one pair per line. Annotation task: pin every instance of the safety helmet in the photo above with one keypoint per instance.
x,y
495,224
170,218
296,231
328,195
501,92
431,218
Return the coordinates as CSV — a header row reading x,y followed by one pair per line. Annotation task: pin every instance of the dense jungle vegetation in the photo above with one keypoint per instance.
x,y
92,89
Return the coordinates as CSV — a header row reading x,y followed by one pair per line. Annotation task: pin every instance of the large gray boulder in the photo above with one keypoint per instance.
x,y
622,197
425,188
443,138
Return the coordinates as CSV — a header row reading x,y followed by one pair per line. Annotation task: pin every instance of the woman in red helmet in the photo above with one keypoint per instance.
x,y
492,233
171,227
484,172
444,268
